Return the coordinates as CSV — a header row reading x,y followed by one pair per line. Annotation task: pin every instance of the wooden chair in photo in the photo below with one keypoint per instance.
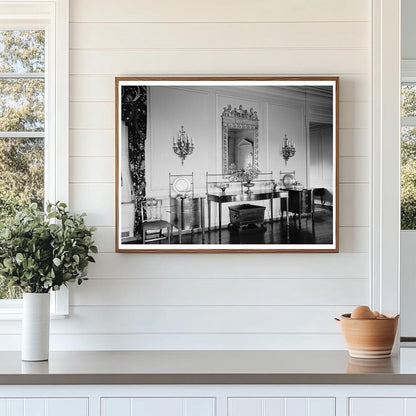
x,y
152,222
319,193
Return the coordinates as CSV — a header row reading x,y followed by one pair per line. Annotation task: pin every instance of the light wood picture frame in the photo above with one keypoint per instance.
x,y
227,164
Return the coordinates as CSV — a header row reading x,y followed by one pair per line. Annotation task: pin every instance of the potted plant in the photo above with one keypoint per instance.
x,y
40,252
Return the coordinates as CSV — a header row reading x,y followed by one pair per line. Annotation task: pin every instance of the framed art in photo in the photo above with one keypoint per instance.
x,y
226,164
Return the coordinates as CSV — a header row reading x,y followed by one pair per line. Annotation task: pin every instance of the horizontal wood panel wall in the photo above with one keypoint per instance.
x,y
247,301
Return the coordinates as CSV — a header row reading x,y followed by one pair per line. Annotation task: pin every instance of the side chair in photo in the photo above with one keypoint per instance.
x,y
153,223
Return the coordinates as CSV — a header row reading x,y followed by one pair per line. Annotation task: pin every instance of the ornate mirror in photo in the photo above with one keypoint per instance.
x,y
227,164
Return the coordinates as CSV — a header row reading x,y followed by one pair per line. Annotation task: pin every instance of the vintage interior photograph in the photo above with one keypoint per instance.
x,y
221,164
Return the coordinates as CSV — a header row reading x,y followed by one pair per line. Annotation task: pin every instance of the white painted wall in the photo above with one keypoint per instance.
x,y
170,108
213,301
320,162
285,120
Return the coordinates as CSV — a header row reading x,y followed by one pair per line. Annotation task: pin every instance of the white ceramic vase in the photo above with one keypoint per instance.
x,y
35,326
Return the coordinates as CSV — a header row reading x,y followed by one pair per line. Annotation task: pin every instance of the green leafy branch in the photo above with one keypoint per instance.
x,y
43,251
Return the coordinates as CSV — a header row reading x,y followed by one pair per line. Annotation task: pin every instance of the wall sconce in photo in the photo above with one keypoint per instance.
x,y
288,149
183,146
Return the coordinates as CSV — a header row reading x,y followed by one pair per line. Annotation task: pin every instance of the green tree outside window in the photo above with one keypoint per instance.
x,y
22,111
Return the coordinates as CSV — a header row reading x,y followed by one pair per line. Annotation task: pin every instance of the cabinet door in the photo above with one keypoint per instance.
x,y
163,406
382,406
44,407
376,406
281,406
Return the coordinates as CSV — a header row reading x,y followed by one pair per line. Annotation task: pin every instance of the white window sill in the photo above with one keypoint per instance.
x,y
16,315
12,309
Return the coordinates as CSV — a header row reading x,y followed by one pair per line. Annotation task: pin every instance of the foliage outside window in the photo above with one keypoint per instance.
x,y
22,125
408,179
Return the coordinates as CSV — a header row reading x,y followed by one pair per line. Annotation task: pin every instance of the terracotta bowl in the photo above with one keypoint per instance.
x,y
369,338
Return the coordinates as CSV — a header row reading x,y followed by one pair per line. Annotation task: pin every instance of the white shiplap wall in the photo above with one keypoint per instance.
x,y
186,301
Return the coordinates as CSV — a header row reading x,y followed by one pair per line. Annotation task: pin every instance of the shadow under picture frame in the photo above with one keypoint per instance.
x,y
227,164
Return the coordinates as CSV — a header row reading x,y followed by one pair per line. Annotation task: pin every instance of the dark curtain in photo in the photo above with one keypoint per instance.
x,y
134,115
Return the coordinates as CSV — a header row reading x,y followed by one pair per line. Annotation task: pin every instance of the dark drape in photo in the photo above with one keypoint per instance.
x,y
134,115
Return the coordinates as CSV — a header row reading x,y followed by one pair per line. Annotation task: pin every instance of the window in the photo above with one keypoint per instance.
x,y
408,156
22,125
33,114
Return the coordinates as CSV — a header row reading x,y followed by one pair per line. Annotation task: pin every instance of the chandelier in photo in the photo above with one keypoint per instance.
x,y
183,146
288,149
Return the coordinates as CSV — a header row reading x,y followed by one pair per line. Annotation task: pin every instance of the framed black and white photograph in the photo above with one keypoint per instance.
x,y
236,164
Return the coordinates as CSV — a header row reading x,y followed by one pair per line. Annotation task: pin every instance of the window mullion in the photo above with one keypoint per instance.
x,y
408,121
22,134
22,75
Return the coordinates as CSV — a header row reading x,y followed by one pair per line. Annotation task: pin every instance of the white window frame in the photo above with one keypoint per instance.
x,y
53,17
408,75
385,183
